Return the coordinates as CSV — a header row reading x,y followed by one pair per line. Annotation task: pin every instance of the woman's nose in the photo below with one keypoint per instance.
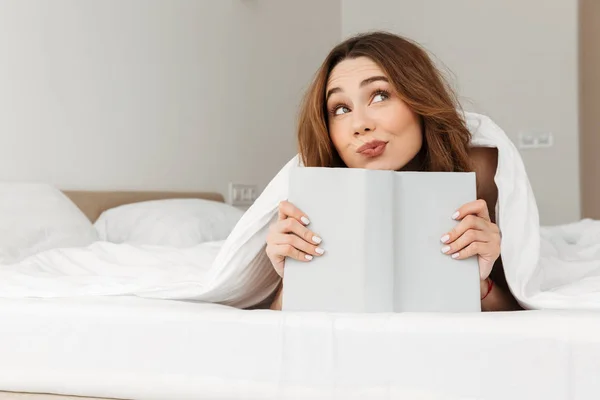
x,y
362,123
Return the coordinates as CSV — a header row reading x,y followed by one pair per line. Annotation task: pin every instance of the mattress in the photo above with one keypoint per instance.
x,y
128,347
42,396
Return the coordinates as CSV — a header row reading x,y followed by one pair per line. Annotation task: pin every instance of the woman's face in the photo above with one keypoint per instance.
x,y
369,125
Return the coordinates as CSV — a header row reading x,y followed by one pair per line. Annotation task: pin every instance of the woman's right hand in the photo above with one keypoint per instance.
x,y
289,237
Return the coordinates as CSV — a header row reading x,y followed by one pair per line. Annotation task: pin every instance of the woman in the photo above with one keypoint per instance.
x,y
378,102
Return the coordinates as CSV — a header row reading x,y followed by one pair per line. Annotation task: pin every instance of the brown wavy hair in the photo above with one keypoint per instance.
x,y
416,81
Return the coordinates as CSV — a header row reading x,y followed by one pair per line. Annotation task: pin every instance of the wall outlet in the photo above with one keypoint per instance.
x,y
535,140
242,195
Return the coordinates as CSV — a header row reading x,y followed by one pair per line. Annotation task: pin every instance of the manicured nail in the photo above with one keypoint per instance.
x,y
317,239
319,250
305,220
445,249
455,215
455,255
445,238
308,257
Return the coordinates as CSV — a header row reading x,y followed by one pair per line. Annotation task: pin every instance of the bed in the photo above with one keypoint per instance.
x,y
92,204
122,347
151,349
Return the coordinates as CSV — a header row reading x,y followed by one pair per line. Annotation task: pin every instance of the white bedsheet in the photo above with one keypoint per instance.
x,y
547,269
105,268
129,347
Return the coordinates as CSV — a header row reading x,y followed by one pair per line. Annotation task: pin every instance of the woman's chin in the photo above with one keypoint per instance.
x,y
383,165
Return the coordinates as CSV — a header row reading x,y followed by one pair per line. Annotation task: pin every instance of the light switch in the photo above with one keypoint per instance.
x,y
535,140
241,194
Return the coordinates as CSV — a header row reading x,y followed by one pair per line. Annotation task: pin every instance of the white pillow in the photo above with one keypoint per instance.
x,y
174,222
37,217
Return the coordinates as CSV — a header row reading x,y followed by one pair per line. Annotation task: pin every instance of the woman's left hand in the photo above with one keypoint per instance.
x,y
476,234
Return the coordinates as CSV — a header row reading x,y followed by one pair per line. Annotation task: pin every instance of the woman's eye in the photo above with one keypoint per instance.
x,y
341,110
379,97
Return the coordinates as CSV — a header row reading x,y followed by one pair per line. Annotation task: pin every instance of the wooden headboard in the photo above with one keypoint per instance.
x,y
93,203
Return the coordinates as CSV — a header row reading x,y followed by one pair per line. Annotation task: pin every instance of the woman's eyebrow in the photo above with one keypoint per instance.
x,y
373,79
363,83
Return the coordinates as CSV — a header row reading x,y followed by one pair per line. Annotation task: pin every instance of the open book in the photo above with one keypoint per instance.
x,y
381,233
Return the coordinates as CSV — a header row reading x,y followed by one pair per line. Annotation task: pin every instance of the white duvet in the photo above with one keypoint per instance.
x,y
552,267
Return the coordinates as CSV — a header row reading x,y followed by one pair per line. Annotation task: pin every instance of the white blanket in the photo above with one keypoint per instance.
x,y
556,267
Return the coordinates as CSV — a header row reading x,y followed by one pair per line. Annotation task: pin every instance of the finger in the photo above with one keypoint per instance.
x,y
470,236
471,250
292,225
287,210
287,250
468,222
477,207
299,244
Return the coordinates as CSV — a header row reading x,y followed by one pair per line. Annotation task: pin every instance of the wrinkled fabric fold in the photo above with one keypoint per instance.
x,y
545,267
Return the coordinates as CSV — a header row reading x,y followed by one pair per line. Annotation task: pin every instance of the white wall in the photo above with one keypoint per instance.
x,y
513,60
154,94
190,95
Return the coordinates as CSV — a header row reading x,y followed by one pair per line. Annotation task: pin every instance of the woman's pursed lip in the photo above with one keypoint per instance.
x,y
371,145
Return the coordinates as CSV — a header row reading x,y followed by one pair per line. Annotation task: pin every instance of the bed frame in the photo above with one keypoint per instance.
x,y
93,203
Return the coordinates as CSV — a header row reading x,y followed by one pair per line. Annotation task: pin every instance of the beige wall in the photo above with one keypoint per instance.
x,y
155,94
513,60
590,107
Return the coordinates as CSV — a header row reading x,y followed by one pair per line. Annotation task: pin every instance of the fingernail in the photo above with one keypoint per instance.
x,y
455,215
308,257
455,255
305,220
319,250
445,238
445,249
316,239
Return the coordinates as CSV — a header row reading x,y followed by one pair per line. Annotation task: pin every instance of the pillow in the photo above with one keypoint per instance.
x,y
174,222
37,217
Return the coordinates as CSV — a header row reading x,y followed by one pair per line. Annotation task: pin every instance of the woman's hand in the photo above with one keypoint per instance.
x,y
476,234
289,237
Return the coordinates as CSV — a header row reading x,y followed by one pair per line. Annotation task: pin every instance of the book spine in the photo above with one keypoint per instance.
x,y
378,234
